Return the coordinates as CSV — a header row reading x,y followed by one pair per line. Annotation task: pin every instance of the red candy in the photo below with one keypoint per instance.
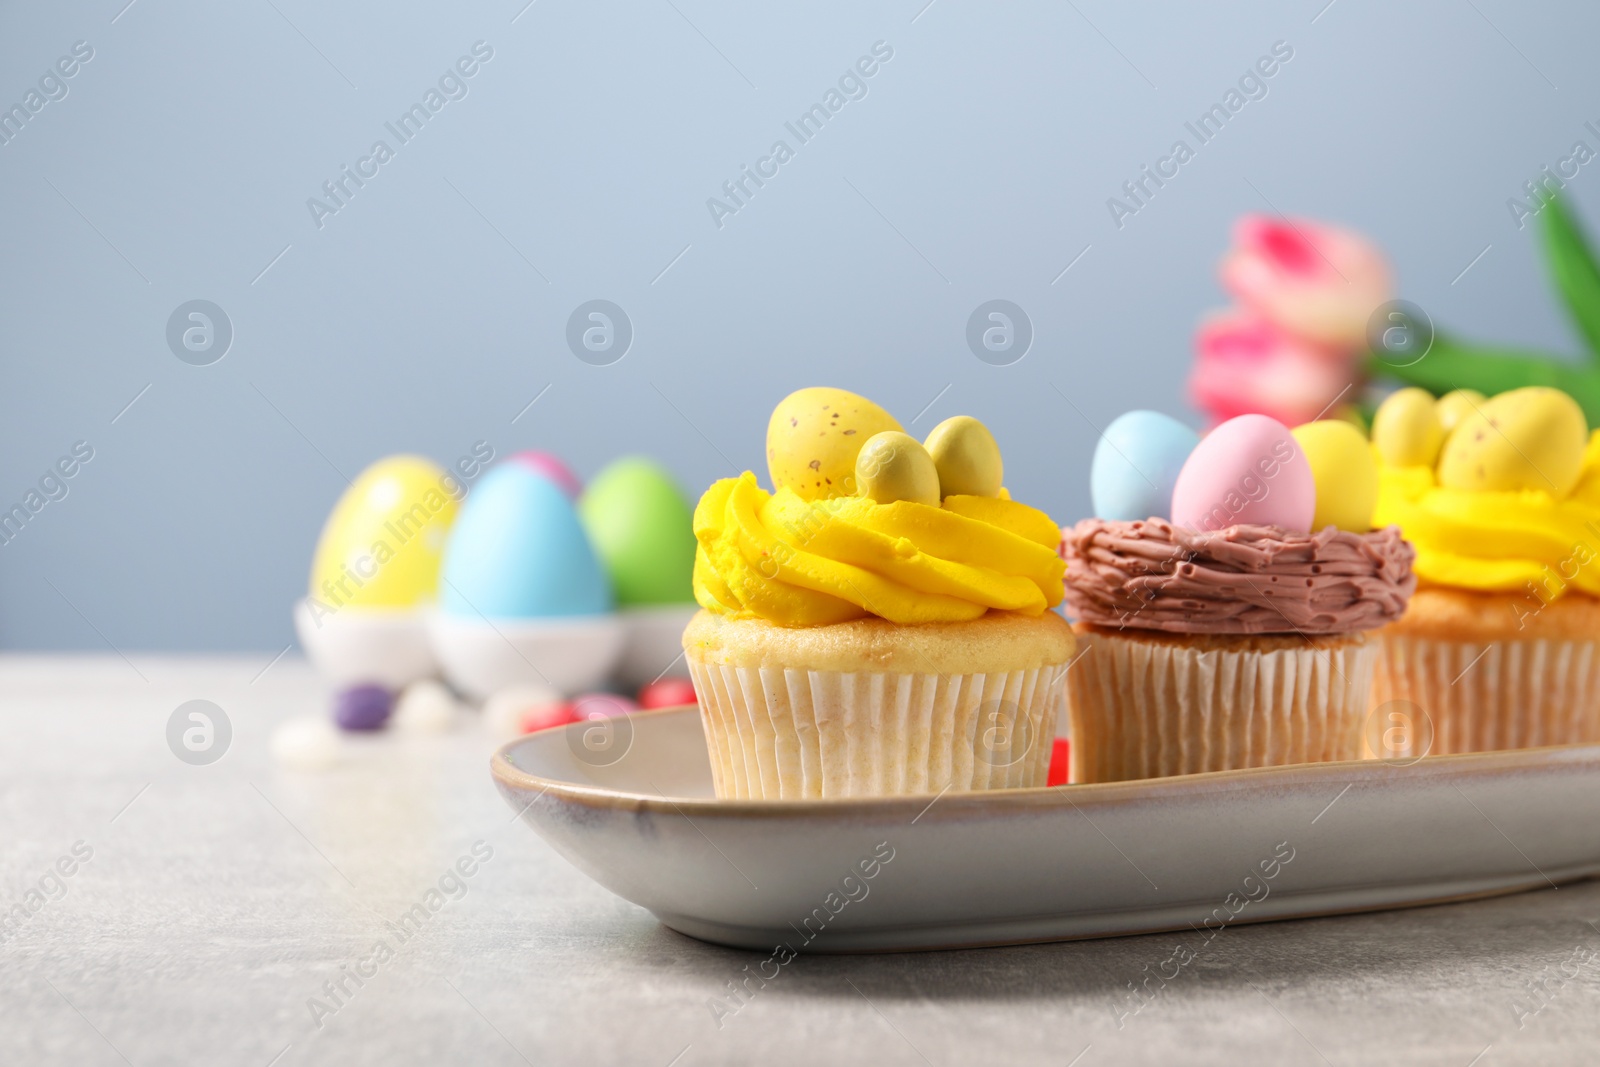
x,y
1060,762
667,693
544,716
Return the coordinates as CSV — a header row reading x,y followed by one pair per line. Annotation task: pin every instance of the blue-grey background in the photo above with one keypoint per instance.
x,y
427,314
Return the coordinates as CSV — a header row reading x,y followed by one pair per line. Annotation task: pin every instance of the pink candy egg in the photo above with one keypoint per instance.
x,y
592,706
548,466
1249,470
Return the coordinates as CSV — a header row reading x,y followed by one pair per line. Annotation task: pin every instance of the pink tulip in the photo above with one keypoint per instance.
x,y
1316,281
1247,364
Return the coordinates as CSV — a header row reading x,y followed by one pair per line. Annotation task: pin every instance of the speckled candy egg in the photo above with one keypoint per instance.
x,y
814,436
1531,438
1136,465
1249,470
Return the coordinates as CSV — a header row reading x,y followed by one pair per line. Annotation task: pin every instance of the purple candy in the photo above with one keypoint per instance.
x,y
363,707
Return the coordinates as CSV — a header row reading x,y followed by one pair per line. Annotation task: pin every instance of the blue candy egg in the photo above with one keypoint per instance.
x,y
1135,465
517,550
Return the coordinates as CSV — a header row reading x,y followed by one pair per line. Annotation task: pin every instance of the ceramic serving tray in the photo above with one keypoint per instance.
x,y
631,804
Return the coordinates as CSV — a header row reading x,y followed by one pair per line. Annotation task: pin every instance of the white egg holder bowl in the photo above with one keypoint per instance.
x,y
354,646
482,656
573,655
654,646
576,654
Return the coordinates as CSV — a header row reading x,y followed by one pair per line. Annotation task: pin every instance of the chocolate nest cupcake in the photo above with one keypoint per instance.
x,y
1239,633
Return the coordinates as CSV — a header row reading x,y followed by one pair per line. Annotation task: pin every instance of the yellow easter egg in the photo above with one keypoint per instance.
x,y
895,466
813,439
1530,438
380,548
966,456
1406,429
1344,472
1455,406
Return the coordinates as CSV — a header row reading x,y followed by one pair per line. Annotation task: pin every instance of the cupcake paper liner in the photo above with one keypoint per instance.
x,y
1474,696
1149,709
777,733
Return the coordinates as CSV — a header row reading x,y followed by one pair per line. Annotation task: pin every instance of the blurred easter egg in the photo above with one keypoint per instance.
x,y
518,551
1249,470
1455,406
642,526
1406,429
363,707
814,436
381,546
1530,438
543,463
1136,465
1345,472
667,693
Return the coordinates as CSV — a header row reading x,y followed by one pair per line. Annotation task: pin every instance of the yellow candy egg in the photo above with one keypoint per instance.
x,y
1455,406
814,437
894,466
1406,429
966,456
1530,438
381,546
1344,471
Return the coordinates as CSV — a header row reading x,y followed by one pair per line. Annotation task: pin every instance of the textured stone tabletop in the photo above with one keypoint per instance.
x,y
209,908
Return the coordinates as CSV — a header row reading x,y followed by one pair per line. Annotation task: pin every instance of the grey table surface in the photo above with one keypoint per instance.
x,y
218,901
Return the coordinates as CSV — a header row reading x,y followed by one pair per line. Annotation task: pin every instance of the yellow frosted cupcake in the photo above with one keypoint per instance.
x,y
879,623
1500,647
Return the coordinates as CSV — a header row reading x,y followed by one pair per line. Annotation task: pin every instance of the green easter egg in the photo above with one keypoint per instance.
x,y
642,527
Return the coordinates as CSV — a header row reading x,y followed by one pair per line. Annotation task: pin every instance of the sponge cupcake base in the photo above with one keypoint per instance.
x,y
1146,704
1475,672
870,708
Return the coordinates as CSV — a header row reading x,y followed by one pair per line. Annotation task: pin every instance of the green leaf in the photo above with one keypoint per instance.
x,y
1573,266
1451,364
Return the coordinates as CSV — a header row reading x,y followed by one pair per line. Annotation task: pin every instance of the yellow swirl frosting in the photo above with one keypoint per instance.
x,y
1500,540
793,562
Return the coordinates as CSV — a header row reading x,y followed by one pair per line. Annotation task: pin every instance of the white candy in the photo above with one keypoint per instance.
x,y
309,743
503,712
426,707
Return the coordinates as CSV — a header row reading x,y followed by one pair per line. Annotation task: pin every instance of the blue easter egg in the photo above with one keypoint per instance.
x,y
517,550
1135,465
